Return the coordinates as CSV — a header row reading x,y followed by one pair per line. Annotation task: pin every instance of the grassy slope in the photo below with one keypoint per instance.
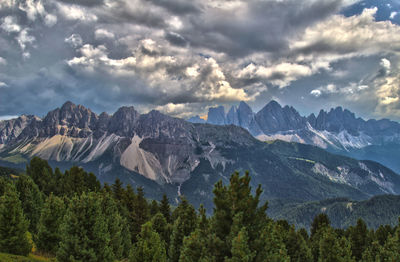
x,y
31,258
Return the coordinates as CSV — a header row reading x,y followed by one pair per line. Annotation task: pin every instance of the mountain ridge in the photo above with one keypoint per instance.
x,y
337,130
163,153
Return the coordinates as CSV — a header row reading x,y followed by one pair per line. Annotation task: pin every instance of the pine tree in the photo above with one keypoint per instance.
x,y
334,249
320,223
31,200
49,231
13,225
359,239
149,247
185,223
140,213
165,208
231,200
391,249
201,244
118,190
273,247
297,247
115,226
161,226
240,248
153,208
85,235
41,173
372,253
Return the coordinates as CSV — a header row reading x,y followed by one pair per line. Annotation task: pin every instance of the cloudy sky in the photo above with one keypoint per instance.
x,y
182,56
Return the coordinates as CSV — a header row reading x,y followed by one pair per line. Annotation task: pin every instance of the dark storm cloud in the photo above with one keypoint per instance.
x,y
175,39
183,56
179,7
259,26
89,3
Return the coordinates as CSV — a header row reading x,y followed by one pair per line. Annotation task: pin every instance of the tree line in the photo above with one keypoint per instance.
x,y
71,217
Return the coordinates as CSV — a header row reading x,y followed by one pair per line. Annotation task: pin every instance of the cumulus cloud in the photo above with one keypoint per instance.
x,y
103,33
75,40
10,25
183,56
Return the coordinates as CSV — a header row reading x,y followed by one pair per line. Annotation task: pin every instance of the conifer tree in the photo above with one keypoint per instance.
x,y
391,249
118,190
161,226
296,247
49,228
115,226
140,213
334,249
41,173
232,199
31,200
359,239
372,253
240,248
149,247
85,235
185,223
273,247
201,244
153,208
13,225
320,223
165,208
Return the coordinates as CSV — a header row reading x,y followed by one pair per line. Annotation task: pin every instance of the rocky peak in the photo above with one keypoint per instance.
x,y
11,129
273,118
216,116
123,121
232,118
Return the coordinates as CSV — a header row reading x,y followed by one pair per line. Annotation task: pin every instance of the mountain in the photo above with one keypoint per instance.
x,y
216,116
166,154
338,130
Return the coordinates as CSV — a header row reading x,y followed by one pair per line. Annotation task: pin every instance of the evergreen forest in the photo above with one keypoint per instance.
x,y
70,216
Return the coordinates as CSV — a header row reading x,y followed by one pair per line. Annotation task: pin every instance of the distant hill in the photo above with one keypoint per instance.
x,y
379,210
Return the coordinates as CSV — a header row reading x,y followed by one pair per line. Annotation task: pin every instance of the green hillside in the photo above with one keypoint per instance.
x,y
342,212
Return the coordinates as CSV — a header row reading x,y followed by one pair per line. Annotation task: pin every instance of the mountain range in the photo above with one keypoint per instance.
x,y
338,130
170,155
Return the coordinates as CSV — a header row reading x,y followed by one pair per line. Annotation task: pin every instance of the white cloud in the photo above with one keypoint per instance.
x,y
281,74
74,12
356,35
10,25
34,9
75,40
24,38
103,33
2,84
7,117
50,20
385,63
392,15
316,92
3,61
351,91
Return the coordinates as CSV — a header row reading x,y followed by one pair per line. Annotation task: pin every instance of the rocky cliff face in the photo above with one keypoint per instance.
x,y
337,130
169,151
